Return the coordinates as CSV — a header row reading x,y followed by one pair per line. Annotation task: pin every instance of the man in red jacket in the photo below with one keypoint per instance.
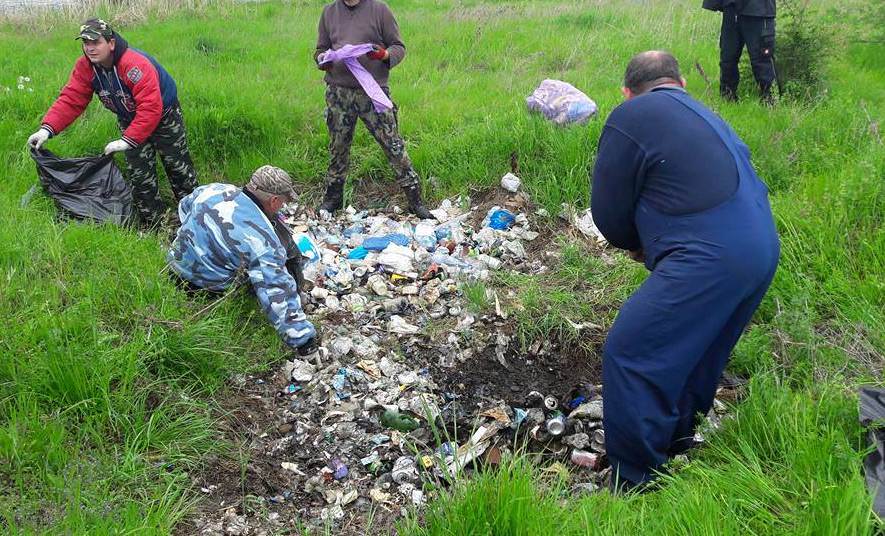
x,y
138,89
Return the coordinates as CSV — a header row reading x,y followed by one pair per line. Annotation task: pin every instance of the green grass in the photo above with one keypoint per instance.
x,y
584,287
108,374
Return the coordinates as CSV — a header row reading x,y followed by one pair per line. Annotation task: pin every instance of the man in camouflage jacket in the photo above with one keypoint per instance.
x,y
227,235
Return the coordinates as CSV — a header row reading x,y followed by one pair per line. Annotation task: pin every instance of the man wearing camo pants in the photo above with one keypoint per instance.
x,y
359,22
138,89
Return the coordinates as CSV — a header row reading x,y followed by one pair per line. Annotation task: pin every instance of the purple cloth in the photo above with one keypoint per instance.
x,y
349,54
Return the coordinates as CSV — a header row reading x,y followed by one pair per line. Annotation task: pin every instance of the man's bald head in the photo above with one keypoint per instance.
x,y
650,69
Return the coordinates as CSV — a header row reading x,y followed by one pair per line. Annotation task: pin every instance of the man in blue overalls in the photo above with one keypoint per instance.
x,y
673,185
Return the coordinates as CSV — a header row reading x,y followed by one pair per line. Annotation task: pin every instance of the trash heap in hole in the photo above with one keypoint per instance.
x,y
371,427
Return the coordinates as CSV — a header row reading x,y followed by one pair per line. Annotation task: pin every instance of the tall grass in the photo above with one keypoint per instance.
x,y
108,373
47,16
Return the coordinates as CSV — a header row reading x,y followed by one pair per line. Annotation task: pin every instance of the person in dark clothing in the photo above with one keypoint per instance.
x,y
674,186
354,22
144,97
750,23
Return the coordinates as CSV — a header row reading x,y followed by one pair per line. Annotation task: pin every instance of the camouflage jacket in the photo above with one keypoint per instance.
x,y
225,234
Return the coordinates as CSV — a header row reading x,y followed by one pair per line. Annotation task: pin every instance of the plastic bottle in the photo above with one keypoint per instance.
x,y
425,236
448,260
443,232
355,229
402,423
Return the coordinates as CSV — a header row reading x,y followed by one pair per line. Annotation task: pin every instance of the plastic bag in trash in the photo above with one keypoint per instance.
x,y
399,258
872,416
499,219
584,223
308,247
89,187
561,102
378,243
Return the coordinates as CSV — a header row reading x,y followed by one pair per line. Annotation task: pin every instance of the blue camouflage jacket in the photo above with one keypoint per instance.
x,y
223,235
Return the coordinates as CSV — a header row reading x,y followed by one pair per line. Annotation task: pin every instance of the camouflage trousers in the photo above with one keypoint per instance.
x,y
343,107
170,141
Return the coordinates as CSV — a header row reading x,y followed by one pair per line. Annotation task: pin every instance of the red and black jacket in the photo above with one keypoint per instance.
x,y
137,88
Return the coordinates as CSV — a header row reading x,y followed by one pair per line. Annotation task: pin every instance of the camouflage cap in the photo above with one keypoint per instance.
x,y
92,29
273,180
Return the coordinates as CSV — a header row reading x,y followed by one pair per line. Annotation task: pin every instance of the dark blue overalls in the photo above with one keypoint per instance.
x,y
673,337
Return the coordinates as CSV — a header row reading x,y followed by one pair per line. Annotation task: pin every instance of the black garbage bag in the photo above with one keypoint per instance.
x,y
90,187
872,417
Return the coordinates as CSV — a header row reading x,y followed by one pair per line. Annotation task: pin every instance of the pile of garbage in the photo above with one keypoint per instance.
x,y
386,290
374,426
371,251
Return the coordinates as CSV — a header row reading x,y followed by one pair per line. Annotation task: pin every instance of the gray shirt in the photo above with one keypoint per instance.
x,y
370,21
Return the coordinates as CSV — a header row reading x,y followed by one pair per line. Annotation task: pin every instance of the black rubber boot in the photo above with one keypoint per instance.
x,y
334,198
765,95
416,206
728,93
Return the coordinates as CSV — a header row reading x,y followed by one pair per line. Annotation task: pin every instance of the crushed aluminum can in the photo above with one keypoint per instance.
x,y
534,399
556,425
404,470
584,459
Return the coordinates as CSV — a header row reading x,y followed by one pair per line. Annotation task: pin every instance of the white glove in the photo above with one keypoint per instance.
x,y
116,146
37,139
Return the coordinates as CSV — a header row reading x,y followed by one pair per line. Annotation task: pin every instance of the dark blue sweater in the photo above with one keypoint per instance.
x,y
656,149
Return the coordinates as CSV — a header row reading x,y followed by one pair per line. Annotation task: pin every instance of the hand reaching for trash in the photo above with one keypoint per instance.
x,y
37,139
116,146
